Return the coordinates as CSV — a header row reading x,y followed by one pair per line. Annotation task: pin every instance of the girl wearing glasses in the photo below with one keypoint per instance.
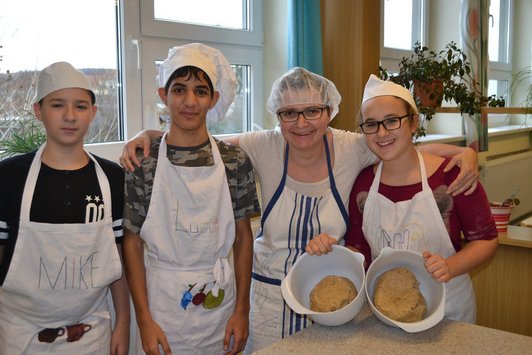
x,y
402,203
306,170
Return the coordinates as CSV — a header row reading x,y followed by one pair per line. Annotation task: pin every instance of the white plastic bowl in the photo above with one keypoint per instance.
x,y
433,291
308,270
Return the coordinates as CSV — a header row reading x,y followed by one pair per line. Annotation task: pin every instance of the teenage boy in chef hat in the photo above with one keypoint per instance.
x,y
401,202
189,204
60,233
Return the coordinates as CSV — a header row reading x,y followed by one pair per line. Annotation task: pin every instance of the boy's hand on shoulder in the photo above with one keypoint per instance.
x,y
129,159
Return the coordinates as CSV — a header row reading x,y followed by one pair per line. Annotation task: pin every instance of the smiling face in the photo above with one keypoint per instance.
x,y
304,134
66,114
388,145
189,98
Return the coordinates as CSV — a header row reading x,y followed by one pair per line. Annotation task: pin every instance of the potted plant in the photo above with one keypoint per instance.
x,y
501,211
521,81
437,76
29,137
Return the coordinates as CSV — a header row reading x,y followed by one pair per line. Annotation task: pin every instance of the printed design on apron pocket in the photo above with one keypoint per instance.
x,y
211,300
412,233
74,333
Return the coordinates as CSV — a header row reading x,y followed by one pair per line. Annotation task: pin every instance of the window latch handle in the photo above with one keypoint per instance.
x,y
136,43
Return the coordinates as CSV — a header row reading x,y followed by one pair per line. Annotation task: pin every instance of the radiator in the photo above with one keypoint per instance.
x,y
504,175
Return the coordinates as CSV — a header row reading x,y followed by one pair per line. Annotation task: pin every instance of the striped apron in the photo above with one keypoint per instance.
x,y
288,223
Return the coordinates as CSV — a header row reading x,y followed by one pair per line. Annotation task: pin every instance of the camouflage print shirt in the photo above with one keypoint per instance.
x,y
238,169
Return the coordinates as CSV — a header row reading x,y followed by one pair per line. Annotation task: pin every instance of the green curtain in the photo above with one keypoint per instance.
x,y
304,35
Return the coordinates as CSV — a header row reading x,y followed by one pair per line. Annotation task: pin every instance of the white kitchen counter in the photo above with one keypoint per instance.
x,y
517,236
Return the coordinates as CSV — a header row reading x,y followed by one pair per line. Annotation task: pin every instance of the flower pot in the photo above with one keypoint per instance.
x,y
428,94
501,214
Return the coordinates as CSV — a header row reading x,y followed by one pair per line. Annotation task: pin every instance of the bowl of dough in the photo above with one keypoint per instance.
x,y
402,293
328,288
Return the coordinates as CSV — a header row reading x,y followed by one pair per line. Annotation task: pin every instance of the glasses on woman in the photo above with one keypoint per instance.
x,y
390,124
311,113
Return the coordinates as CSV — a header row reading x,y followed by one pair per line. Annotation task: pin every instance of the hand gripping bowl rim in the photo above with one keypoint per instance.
x,y
339,316
428,322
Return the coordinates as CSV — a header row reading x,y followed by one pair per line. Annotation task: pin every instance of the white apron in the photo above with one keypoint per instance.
x,y
417,225
67,269
189,231
288,223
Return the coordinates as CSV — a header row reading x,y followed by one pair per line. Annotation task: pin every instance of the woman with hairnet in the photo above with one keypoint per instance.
x,y
306,170
188,206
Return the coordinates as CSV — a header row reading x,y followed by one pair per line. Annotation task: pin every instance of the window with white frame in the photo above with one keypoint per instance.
x,y
403,25
33,35
499,51
119,45
234,27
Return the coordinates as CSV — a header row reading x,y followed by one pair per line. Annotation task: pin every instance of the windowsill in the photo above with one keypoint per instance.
x,y
460,139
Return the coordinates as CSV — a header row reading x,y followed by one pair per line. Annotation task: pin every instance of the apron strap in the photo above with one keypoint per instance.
x,y
332,183
277,193
266,279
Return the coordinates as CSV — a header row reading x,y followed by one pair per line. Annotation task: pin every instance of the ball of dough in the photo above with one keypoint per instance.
x,y
397,296
332,293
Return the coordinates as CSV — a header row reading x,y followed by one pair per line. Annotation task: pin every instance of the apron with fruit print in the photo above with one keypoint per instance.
x,y
416,224
189,232
288,223
61,307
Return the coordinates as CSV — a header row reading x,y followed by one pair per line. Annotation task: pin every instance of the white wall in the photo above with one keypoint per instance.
x,y
275,48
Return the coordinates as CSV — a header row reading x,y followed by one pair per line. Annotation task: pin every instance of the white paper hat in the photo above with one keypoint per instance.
x,y
60,75
377,87
213,63
300,86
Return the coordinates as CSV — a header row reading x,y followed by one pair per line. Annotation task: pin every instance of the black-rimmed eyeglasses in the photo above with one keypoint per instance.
x,y
390,124
311,113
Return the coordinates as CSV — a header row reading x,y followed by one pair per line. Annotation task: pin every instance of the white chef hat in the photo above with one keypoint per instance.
x,y
213,63
377,87
61,75
300,86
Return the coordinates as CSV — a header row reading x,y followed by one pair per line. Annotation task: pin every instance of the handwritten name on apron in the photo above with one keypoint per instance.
x,y
72,272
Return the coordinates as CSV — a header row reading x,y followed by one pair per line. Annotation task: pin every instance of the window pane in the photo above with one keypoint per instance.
x,y
398,24
493,26
227,13
235,120
33,35
498,31
499,88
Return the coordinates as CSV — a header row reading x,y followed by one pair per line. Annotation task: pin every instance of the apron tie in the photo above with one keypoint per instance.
x,y
222,274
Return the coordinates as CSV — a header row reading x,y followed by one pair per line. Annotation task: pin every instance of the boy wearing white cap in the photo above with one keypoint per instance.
x,y
401,201
188,206
60,233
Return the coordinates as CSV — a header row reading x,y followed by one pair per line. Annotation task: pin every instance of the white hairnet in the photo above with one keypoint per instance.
x,y
300,86
60,75
377,87
213,63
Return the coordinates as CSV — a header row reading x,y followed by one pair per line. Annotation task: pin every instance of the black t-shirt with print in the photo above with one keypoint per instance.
x,y
61,196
